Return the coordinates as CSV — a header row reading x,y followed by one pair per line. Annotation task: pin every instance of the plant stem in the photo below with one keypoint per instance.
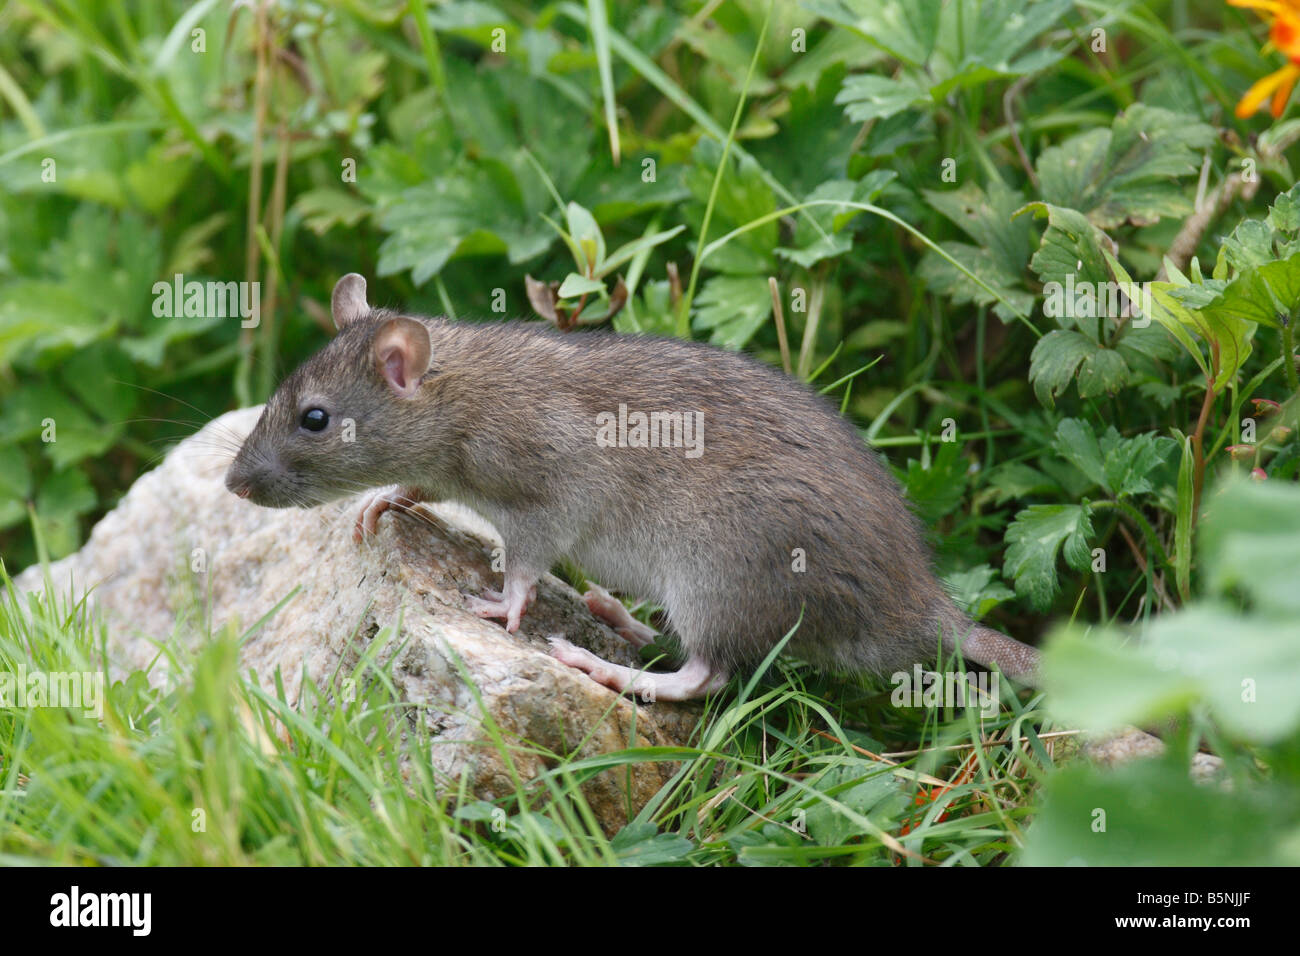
x,y
1288,351
1198,436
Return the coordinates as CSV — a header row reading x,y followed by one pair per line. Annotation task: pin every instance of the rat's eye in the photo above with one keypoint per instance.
x,y
315,419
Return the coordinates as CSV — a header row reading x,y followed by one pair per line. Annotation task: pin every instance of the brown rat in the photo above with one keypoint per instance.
x,y
697,478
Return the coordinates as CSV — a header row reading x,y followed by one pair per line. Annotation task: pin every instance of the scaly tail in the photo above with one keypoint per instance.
x,y
983,645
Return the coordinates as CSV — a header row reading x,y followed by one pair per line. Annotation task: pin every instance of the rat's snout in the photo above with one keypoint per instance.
x,y
243,479
237,480
264,480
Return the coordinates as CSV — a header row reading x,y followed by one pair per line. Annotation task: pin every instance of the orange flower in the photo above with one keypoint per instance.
x,y
1283,36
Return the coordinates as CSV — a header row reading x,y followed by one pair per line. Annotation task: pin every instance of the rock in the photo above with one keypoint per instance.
x,y
1129,744
179,540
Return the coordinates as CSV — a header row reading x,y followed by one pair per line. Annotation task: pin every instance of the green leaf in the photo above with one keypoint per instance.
x,y
1054,361
1102,372
473,210
1035,537
905,29
946,279
575,285
629,251
641,844
1156,814
813,144
742,198
585,231
977,590
990,219
1246,668
1250,539
811,246
937,489
15,485
871,97
1120,466
732,309
878,796
1015,479
1070,254
1177,319
61,499
1003,243
978,41
1127,173
1263,294
323,209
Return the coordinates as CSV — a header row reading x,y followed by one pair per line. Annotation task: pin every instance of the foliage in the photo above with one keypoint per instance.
x,y
959,202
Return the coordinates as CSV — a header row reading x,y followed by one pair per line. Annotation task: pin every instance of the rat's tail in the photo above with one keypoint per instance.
x,y
989,647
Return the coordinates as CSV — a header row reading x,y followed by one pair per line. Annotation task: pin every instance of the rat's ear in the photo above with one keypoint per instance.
x,y
402,352
348,303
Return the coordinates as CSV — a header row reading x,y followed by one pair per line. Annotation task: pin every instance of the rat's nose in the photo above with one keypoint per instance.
x,y
238,483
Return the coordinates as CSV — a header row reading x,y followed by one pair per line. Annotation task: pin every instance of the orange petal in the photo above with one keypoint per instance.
x,y
1262,90
1272,6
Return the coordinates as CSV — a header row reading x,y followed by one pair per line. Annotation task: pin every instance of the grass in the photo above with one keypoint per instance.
x,y
214,767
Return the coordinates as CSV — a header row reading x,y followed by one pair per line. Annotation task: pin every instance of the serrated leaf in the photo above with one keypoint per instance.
x,y
1054,361
977,590
1070,253
938,489
743,197
946,279
732,309
1126,173
1015,479
1120,466
870,97
474,210
1035,537
811,246
990,219
323,209
905,29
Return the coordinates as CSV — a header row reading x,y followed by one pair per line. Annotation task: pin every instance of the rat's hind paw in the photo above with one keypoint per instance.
x,y
601,671
695,679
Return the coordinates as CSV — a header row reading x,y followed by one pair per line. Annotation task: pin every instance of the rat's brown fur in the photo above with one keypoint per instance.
x,y
505,421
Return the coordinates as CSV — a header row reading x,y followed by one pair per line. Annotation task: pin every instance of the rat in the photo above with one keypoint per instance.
x,y
698,478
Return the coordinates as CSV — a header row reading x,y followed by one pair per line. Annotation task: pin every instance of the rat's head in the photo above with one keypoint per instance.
x,y
334,427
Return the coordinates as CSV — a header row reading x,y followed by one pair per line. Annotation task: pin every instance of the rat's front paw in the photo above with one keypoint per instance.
x,y
509,606
395,497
